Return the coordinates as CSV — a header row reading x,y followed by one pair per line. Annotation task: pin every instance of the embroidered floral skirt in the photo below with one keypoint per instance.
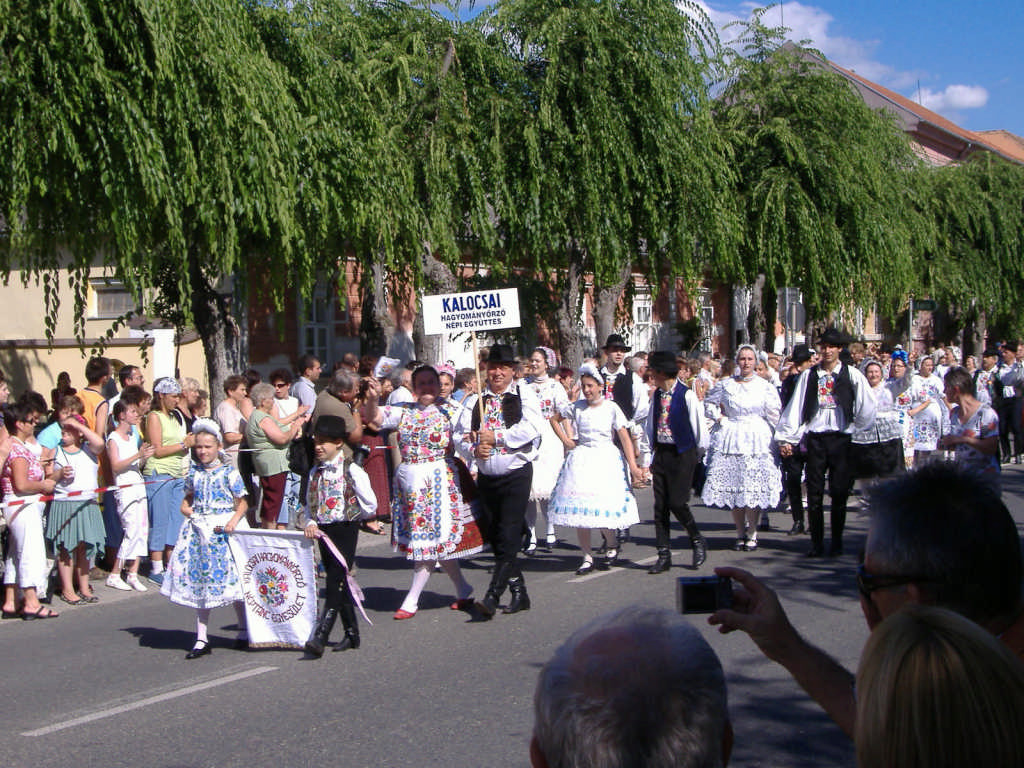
x,y
433,513
202,573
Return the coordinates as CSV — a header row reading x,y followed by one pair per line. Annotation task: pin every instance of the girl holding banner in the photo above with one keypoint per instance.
x,y
202,573
432,521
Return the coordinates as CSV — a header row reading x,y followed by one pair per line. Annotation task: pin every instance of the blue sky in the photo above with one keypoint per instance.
x,y
963,61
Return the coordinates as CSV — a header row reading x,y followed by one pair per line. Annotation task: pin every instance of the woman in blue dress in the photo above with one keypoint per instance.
x,y
201,573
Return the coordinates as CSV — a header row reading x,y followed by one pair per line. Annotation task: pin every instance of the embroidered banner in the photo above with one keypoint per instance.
x,y
279,583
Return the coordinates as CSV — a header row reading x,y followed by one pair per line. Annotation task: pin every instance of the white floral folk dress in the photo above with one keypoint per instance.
x,y
432,518
742,468
202,573
593,488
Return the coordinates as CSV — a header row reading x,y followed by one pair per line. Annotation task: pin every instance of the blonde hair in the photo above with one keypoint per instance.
x,y
934,689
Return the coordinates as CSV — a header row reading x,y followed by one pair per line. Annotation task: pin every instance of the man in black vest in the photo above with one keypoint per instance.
x,y
793,464
1006,385
505,439
830,401
675,428
627,390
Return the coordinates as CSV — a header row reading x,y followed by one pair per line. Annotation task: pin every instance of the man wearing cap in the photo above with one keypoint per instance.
x,y
829,402
793,464
505,438
676,429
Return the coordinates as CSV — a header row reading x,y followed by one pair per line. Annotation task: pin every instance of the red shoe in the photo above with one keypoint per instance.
x,y
401,614
462,605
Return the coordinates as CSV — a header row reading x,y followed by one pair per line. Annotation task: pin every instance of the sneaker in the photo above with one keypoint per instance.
x,y
116,582
134,583
156,578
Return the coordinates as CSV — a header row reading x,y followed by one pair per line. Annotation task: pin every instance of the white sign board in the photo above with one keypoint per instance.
x,y
476,311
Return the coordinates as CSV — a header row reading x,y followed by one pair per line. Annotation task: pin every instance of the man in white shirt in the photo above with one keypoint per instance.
x,y
830,401
505,440
983,376
402,380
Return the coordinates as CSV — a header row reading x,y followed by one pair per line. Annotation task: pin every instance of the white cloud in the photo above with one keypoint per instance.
x,y
954,97
810,23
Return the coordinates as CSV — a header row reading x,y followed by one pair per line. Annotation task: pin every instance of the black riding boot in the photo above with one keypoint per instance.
x,y
663,563
700,546
520,601
316,644
489,605
348,620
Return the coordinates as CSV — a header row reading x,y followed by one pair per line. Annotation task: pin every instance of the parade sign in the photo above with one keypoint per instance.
x,y
279,586
476,311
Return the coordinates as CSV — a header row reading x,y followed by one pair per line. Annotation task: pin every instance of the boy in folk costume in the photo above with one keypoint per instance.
x,y
676,430
339,497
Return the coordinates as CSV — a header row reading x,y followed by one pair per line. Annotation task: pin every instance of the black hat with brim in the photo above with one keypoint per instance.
x,y
833,337
615,341
502,354
663,362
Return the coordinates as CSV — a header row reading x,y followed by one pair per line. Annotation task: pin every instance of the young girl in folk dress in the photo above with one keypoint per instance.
x,y
593,489
127,454
432,522
201,573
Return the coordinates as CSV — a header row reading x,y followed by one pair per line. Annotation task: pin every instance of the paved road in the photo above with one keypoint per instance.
x,y
106,685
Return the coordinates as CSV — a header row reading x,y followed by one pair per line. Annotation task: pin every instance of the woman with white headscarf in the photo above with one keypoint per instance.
x,y
593,489
743,472
877,450
929,411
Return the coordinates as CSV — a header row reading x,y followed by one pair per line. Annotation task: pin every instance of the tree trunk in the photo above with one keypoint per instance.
x,y
567,316
606,303
740,333
757,327
376,326
218,330
975,334
437,278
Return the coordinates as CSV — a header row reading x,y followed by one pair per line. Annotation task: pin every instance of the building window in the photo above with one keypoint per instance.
x,y
109,299
319,317
642,314
707,321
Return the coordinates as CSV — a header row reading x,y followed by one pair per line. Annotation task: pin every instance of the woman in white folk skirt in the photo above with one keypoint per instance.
x,y
743,473
548,463
593,489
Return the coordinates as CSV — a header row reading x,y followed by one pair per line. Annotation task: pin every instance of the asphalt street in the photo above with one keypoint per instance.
x,y
107,684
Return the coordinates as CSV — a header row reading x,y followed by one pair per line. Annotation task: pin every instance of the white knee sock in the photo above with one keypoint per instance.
x,y
202,620
454,571
420,575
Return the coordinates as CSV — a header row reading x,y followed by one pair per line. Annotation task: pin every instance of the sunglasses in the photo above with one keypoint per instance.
x,y
867,583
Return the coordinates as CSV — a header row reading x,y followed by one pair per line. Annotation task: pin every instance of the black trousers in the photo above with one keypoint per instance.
x,y
828,452
1009,412
344,536
672,480
504,498
793,470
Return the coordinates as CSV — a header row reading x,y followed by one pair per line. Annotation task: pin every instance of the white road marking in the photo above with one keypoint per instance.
x,y
110,712
614,569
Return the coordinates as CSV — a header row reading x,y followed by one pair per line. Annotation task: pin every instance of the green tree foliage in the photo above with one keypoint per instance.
x,y
976,264
614,163
155,137
825,183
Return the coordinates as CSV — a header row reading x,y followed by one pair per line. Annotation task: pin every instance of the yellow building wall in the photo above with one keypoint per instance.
x,y
29,361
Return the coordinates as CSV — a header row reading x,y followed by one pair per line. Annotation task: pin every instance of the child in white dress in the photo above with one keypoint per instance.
x,y
127,454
